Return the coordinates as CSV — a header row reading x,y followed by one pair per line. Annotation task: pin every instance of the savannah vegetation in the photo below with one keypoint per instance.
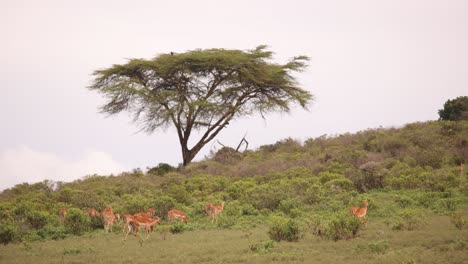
x,y
285,202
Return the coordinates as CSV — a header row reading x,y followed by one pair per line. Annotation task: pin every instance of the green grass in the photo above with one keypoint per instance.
x,y
438,241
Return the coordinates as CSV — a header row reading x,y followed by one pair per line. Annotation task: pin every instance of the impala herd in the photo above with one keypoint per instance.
x,y
147,220
144,220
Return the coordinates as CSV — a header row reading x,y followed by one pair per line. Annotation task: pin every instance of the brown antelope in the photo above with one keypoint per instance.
x,y
208,208
109,219
92,212
63,213
151,211
142,222
360,212
177,214
126,220
214,211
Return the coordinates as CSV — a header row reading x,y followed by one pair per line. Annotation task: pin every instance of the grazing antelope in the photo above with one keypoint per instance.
x,y
360,212
63,213
92,212
177,214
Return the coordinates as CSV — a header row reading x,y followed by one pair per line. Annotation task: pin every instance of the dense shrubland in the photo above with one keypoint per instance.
x,y
294,188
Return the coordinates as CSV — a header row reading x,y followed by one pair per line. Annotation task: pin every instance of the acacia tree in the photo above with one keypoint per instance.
x,y
200,90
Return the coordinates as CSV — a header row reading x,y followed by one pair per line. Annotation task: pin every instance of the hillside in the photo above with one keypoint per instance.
x,y
406,173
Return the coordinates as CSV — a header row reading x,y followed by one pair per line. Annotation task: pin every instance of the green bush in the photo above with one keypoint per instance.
x,y
76,222
52,232
177,227
284,229
409,219
458,219
8,232
445,205
404,201
343,227
263,247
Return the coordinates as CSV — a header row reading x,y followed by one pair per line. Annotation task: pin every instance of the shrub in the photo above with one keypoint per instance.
x,y
37,219
409,220
8,233
263,247
161,169
445,204
52,232
458,220
284,229
76,222
177,227
343,227
404,201
313,194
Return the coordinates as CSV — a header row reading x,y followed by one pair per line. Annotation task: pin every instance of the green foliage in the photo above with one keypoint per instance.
x,y
285,229
343,227
458,219
376,247
409,219
76,222
177,227
262,247
161,169
8,232
455,109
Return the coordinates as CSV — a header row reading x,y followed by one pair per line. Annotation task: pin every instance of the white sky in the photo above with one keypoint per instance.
x,y
374,63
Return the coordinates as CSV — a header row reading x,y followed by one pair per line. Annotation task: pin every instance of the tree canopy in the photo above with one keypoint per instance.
x,y
455,109
200,90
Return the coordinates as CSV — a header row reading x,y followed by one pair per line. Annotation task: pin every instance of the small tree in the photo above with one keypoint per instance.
x,y
454,110
200,90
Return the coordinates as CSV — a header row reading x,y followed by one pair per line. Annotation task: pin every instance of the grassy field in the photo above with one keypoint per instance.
x,y
438,241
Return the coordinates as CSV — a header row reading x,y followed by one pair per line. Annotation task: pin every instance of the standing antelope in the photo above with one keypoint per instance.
x,y
214,210
109,219
63,213
142,222
360,212
177,214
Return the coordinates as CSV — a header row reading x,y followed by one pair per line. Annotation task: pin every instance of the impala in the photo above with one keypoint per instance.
x,y
177,214
142,222
151,211
215,211
63,213
92,212
109,219
360,212
126,226
208,208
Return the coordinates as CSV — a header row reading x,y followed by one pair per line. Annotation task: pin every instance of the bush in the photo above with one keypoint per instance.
x,y
409,220
444,205
177,227
343,227
458,220
76,222
8,233
262,247
284,229
404,201
52,232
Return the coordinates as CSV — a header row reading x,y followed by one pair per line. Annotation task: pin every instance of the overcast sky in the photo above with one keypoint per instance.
x,y
374,63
